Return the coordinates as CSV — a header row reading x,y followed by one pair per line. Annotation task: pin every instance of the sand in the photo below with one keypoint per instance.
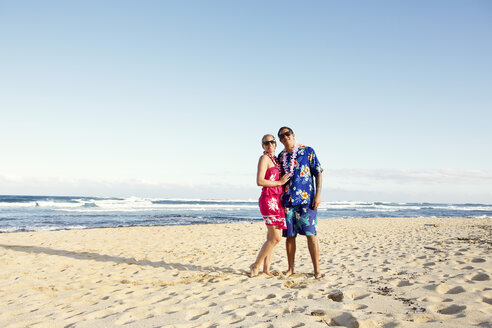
x,y
387,272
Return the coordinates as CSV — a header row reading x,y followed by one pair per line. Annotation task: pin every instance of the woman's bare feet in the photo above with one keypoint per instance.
x,y
253,271
288,273
271,274
318,275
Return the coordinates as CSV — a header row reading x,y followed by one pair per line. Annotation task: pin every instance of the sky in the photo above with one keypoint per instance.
x,y
170,99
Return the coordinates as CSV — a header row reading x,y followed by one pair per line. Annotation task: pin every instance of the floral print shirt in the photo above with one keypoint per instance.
x,y
300,189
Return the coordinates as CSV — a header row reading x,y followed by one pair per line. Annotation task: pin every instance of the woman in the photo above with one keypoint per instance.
x,y
268,176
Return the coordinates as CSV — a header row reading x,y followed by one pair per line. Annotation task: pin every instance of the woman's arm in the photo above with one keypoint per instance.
x,y
260,176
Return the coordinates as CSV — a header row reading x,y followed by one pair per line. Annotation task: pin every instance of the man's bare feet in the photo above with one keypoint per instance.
x,y
319,275
253,272
288,273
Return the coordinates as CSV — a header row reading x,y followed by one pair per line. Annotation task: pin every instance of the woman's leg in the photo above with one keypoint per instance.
x,y
273,238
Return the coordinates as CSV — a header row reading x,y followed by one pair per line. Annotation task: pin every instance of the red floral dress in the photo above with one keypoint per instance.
x,y
270,204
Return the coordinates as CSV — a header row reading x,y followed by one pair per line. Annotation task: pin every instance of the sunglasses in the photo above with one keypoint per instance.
x,y
265,143
285,134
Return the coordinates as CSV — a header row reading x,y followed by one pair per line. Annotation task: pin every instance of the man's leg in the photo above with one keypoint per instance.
x,y
290,246
290,241
314,252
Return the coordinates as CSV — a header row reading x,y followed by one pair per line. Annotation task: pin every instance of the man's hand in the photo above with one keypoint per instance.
x,y
316,201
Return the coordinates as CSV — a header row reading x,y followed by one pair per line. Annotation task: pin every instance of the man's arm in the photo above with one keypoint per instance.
x,y
317,197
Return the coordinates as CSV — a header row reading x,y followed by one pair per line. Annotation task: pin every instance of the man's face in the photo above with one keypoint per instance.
x,y
287,138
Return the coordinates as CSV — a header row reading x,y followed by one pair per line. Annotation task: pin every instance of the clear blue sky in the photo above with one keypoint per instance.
x,y
170,99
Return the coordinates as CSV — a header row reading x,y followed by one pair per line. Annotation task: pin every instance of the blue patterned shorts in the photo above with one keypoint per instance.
x,y
300,219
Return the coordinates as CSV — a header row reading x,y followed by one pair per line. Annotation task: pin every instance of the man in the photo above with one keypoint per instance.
x,y
301,197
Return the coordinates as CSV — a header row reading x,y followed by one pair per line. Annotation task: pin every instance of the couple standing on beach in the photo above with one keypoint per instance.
x,y
289,199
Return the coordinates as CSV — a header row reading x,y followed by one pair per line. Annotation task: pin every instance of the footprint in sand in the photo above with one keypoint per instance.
x,y
478,260
183,325
131,316
295,284
422,318
434,299
375,322
278,311
206,304
190,298
354,307
237,291
290,296
479,277
447,309
306,293
260,297
344,319
301,309
262,325
487,300
160,309
231,320
100,314
402,283
195,314
446,289
245,313
231,307
356,294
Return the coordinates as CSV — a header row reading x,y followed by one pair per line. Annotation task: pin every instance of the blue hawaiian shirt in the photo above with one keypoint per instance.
x,y
300,189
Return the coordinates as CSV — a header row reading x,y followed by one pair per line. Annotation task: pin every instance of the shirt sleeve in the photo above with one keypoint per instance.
x,y
314,164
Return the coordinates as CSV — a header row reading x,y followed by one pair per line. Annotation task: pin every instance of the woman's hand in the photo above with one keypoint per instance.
x,y
283,180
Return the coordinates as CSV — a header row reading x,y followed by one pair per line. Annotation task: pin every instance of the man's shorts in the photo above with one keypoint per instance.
x,y
300,219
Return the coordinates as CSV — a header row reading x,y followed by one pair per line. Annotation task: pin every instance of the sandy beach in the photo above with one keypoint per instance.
x,y
389,272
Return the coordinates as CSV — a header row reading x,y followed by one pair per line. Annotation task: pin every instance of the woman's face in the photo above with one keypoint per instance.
x,y
269,144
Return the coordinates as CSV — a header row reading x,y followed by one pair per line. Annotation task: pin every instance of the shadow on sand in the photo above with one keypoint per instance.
x,y
116,259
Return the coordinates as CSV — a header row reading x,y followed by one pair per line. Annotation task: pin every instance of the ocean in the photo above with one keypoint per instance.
x,y
34,213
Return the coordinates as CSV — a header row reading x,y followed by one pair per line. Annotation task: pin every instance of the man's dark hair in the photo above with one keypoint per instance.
x,y
284,127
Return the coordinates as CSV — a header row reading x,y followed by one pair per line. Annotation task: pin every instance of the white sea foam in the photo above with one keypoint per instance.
x,y
53,204
16,205
130,204
377,210
55,213
156,207
41,228
10,229
464,208
362,205
484,217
